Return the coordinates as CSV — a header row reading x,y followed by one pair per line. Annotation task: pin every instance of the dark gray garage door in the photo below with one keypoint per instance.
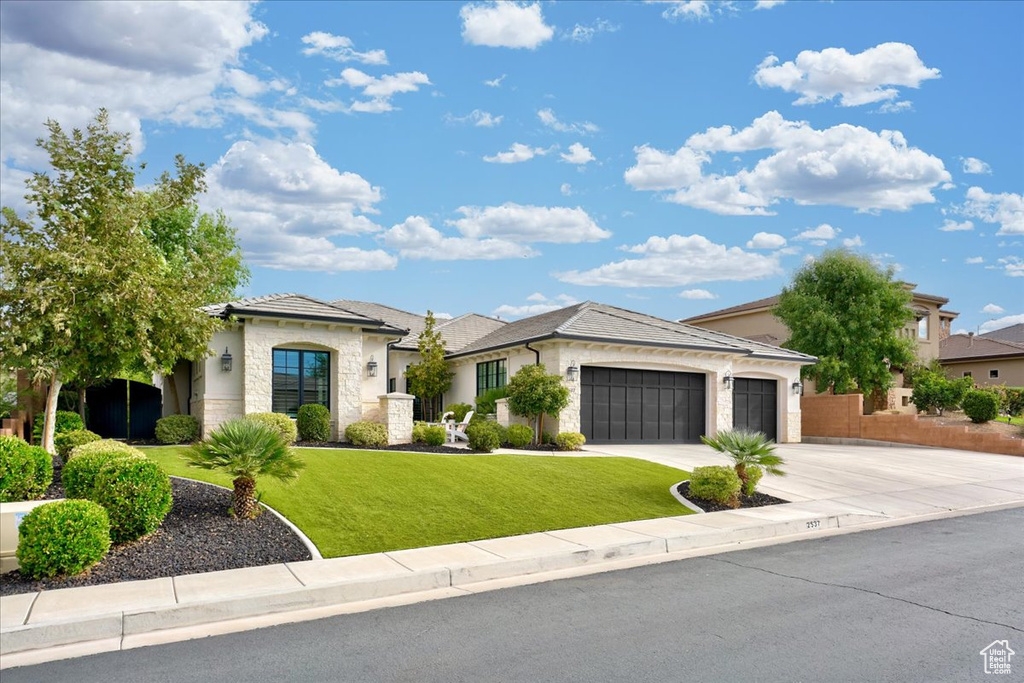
x,y
641,406
755,406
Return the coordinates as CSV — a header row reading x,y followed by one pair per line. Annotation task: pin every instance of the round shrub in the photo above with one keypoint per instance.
x,y
177,429
136,494
484,435
718,483
518,436
459,411
980,406
754,474
68,440
419,432
284,425
365,433
65,421
25,471
435,436
570,441
80,472
62,538
314,423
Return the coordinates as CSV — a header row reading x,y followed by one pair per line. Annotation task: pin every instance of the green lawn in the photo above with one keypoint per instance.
x,y
351,502
1010,420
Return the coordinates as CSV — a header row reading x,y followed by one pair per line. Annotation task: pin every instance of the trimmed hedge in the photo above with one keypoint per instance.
x,y
435,436
419,433
68,440
104,446
136,494
66,421
718,483
518,436
314,423
980,406
485,435
570,441
284,425
80,472
365,433
62,538
25,471
177,429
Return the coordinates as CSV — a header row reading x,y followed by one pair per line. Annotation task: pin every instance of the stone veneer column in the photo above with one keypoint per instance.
x,y
396,411
722,401
502,415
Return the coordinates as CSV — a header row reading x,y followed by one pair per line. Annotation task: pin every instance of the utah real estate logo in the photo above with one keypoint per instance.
x,y
997,657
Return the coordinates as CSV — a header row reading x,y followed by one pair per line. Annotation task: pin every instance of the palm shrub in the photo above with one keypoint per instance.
x,y
65,442
314,423
62,538
747,449
136,494
284,425
177,429
246,449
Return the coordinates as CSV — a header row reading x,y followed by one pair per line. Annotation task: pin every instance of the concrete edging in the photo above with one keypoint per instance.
x,y
685,503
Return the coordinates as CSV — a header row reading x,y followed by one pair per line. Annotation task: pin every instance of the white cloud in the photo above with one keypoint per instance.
x,y
249,85
379,90
993,308
1013,266
1000,323
340,49
975,166
566,189
517,153
973,260
495,82
504,24
677,260
1006,209
536,296
548,118
853,242
819,236
541,304
287,202
874,75
529,223
949,225
768,4
766,240
477,117
896,107
415,238
581,33
697,294
577,154
843,165
687,9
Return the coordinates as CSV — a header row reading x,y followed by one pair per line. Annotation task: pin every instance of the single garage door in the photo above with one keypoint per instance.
x,y
755,406
641,406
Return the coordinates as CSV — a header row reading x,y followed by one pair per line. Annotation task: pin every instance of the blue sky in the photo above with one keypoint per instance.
x,y
669,157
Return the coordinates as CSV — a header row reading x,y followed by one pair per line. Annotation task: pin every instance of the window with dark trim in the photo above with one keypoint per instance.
x,y
490,375
967,374
391,385
300,377
993,374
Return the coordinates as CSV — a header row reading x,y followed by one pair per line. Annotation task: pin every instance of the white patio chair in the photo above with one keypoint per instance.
x,y
458,432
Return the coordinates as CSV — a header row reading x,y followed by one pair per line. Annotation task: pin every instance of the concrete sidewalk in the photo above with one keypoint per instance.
x,y
833,488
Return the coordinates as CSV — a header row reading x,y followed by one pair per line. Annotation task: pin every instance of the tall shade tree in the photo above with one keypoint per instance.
x,y
849,313
432,376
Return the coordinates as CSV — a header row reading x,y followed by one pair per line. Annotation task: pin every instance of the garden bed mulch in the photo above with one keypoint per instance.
x,y
755,501
197,536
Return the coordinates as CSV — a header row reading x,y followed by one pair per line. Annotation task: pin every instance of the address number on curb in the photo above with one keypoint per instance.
x,y
814,524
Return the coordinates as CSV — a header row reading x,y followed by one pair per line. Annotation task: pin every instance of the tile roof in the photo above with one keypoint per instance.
x,y
466,329
965,347
1013,333
395,317
601,322
297,306
456,332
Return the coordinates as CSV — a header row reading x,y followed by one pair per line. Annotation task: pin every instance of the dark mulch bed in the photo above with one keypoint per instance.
x,y
410,447
755,501
196,536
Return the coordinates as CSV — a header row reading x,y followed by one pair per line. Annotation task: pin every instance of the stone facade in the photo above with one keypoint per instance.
x,y
396,411
504,417
213,412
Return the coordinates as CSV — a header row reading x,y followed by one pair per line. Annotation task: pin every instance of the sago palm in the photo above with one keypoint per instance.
x,y
246,449
747,449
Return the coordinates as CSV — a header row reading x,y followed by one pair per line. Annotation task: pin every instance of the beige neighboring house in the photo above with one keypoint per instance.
x,y
632,378
989,359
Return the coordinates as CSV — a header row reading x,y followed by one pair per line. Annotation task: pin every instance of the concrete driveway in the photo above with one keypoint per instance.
x,y
856,473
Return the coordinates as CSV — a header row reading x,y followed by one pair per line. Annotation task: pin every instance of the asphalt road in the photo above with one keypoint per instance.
x,y
910,603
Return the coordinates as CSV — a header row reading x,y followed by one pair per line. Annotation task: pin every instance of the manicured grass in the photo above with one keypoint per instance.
x,y
351,502
1010,420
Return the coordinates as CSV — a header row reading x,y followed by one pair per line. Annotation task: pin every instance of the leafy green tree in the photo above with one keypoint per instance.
x,y
748,450
533,393
850,314
431,377
934,391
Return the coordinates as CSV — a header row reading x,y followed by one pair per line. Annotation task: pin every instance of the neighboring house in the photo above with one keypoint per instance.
x,y
987,359
632,378
1013,333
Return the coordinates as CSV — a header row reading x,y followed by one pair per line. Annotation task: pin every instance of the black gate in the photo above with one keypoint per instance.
x,y
755,406
122,409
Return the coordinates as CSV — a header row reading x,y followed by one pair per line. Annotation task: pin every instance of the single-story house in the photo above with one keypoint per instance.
x,y
632,377
989,359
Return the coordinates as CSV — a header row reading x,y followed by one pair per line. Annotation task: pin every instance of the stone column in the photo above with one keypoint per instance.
x,y
502,415
396,413
722,401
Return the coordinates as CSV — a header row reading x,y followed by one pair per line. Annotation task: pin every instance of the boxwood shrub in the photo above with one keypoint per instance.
x,y
136,494
177,429
980,406
279,421
104,446
365,433
65,421
419,434
435,435
68,440
79,474
718,483
62,538
314,423
518,436
485,435
25,471
570,441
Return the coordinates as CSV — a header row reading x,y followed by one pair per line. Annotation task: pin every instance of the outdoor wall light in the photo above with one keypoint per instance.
x,y
798,388
371,368
225,361
572,371
728,379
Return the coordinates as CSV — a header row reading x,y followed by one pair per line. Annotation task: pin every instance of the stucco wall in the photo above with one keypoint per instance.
x,y
1011,371
217,395
749,324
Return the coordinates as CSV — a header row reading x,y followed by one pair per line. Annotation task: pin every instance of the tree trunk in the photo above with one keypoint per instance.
x,y
245,506
172,394
741,472
540,428
50,419
81,404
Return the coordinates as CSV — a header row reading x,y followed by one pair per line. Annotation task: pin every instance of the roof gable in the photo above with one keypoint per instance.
x,y
965,347
295,306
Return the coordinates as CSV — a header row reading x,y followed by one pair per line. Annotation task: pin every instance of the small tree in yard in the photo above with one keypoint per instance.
x,y
850,314
431,377
748,450
246,449
533,393
935,391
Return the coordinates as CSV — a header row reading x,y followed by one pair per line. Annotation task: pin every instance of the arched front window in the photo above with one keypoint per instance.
x,y
300,377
